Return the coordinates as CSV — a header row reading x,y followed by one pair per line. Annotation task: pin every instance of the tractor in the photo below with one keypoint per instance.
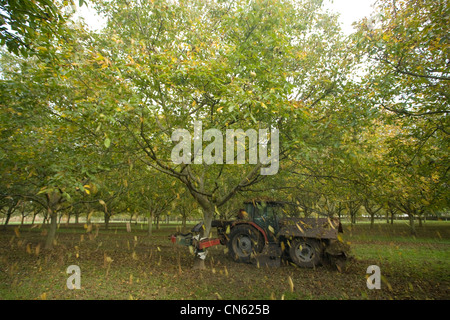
x,y
263,235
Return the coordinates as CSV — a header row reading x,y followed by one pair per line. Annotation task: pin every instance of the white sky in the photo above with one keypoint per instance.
x,y
349,10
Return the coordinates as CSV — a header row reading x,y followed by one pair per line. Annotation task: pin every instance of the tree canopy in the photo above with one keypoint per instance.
x,y
88,117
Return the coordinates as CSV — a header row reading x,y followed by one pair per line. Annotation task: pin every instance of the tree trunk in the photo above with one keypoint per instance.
x,y
9,213
52,230
411,224
107,217
208,216
183,222
150,224
392,217
53,201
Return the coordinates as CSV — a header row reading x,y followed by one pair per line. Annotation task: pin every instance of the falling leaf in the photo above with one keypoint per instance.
x,y
271,229
16,231
291,284
299,228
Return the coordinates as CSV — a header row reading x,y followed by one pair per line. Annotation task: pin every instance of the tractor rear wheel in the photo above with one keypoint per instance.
x,y
306,253
244,241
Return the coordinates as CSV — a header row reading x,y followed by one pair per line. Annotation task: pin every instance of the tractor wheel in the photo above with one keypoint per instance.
x,y
306,253
244,241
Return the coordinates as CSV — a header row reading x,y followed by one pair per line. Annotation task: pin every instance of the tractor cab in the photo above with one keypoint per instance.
x,y
266,215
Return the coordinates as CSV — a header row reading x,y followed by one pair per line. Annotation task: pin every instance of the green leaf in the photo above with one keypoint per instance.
x,y
107,142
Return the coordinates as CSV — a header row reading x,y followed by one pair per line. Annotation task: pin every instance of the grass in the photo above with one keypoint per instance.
x,y
116,264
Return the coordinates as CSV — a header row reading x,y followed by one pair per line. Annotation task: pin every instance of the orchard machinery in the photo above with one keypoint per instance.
x,y
265,236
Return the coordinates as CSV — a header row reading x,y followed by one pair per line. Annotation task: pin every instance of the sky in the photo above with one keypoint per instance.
x,y
349,10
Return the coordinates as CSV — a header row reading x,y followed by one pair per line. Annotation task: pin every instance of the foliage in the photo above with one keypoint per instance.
x,y
28,26
87,118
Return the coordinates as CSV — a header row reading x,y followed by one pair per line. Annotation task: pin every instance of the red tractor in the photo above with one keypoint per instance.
x,y
263,235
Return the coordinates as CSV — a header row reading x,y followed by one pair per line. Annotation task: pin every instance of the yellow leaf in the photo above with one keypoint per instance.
x,y
291,283
219,109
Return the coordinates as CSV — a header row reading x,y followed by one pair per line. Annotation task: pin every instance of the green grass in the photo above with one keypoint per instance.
x,y
150,267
